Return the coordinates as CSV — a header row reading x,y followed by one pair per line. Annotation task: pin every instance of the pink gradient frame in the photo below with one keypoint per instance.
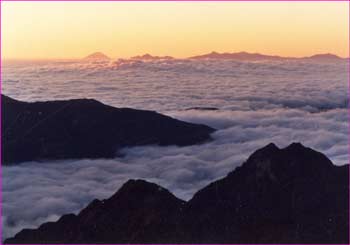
x,y
159,1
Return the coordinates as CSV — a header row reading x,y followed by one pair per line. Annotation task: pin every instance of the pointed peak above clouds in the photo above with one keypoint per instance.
x,y
97,56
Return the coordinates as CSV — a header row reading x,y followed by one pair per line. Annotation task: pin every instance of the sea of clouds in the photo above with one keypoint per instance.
x,y
257,103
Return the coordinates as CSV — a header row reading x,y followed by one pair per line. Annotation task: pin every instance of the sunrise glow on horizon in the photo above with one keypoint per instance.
x,y
44,30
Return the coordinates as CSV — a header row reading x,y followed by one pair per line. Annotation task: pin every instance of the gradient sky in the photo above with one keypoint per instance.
x,y
44,30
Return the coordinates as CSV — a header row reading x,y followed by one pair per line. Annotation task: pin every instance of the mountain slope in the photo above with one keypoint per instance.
x,y
86,128
291,195
138,212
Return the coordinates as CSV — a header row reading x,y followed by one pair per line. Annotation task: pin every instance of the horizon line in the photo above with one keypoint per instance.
x,y
174,57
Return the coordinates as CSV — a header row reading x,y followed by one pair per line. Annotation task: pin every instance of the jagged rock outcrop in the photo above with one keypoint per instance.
x,y
86,128
290,195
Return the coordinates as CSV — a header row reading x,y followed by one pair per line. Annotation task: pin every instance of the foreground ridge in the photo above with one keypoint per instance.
x,y
290,195
86,128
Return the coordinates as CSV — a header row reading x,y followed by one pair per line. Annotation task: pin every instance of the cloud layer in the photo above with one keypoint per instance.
x,y
257,103
178,84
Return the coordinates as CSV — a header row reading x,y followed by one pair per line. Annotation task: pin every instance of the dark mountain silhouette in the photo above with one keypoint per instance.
x,y
139,211
97,56
86,128
290,195
151,57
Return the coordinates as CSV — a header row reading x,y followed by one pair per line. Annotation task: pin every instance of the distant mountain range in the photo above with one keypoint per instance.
x,y
244,56
291,195
256,56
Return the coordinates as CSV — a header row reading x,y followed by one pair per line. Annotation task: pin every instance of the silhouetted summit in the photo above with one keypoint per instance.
x,y
86,128
139,211
290,195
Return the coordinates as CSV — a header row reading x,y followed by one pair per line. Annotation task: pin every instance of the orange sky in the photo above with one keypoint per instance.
x,y
42,30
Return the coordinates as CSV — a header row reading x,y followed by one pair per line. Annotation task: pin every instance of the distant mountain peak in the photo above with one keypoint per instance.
x,y
97,56
326,56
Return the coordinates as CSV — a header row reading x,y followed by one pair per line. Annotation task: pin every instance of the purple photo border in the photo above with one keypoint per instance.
x,y
0,124
160,1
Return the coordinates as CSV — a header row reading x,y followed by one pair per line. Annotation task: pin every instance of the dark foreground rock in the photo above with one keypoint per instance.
x,y
290,195
86,128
